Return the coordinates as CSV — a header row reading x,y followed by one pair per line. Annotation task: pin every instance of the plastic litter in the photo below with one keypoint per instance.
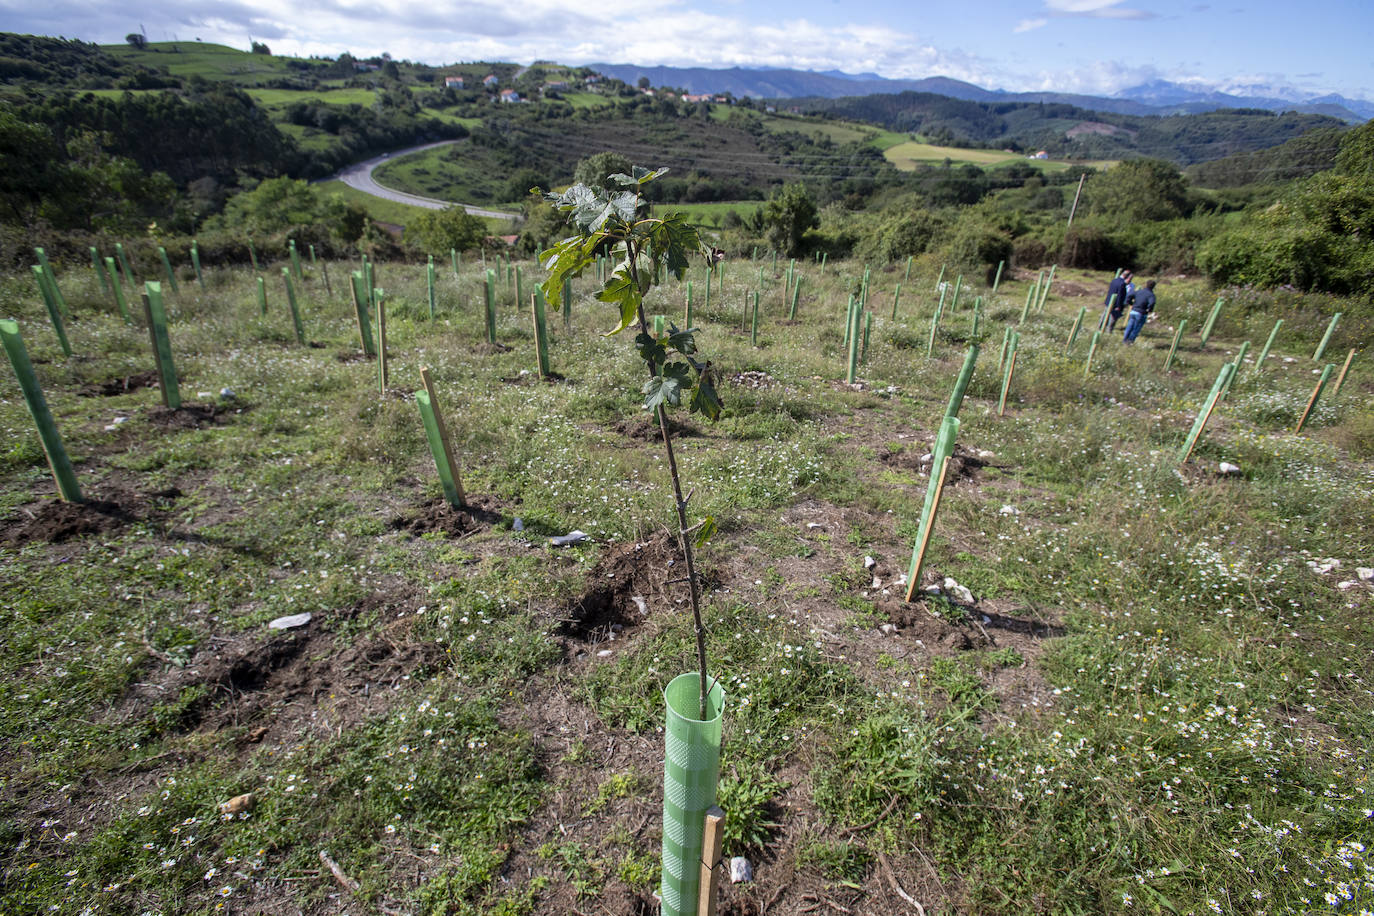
x,y
291,622
572,537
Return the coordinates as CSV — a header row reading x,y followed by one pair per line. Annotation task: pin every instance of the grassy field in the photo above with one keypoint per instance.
x,y
214,62
281,98
910,154
1155,695
713,214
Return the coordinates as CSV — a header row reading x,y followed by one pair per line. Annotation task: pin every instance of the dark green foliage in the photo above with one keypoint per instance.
x,y
1136,190
438,231
786,217
279,204
75,64
596,170
1300,157
975,247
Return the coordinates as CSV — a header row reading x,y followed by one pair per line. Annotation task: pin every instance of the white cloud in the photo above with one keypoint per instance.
x,y
1095,9
1028,25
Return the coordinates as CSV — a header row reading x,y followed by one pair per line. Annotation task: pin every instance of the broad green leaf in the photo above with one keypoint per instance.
x,y
644,176
706,531
620,178
667,387
650,350
622,291
705,400
683,342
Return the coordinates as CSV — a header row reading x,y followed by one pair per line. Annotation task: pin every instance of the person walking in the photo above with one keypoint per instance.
x,y
1115,302
1142,304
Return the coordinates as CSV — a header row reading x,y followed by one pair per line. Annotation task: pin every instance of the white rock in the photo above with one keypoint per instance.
x,y
740,870
111,428
604,653
869,562
887,629
1364,573
901,580
928,456
119,420
205,394
291,622
814,525
227,393
877,583
1289,359
1347,585
957,591
932,589
1008,510
1227,468
985,454
640,603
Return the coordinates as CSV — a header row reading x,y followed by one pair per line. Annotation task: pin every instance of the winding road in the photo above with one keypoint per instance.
x,y
359,177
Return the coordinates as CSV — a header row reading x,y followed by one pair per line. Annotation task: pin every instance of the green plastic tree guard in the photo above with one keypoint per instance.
x,y
124,265
162,345
954,300
1045,292
1006,376
491,306
1316,393
995,280
1211,322
940,280
754,323
58,461
295,310
360,307
868,332
1264,353
1030,297
253,255
1239,363
1092,348
262,297
436,448
906,277
52,282
1178,335
99,269
1321,347
50,301
896,297
541,333
796,291
567,304
429,280
453,257
167,269
691,770
956,397
977,318
195,262
1006,342
118,289
944,447
295,259
855,316
1205,413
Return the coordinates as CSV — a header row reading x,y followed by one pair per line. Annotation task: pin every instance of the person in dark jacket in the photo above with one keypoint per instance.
x,y
1115,304
1142,304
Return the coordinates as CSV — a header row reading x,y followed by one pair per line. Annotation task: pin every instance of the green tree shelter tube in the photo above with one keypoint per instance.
x,y
118,289
50,301
956,397
61,300
944,447
1264,354
58,461
162,346
1321,347
691,769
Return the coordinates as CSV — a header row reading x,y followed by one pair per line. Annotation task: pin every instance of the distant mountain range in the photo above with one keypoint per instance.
x,y
1157,97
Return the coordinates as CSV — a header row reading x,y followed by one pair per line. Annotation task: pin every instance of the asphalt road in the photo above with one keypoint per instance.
x,y
359,177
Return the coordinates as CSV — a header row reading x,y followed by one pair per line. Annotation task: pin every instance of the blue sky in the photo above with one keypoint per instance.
x,y
1091,46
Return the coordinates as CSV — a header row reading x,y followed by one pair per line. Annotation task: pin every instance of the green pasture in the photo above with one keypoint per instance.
x,y
212,61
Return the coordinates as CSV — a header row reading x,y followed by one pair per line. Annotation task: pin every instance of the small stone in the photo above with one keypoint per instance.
x,y
227,394
239,804
957,591
111,428
931,589
887,629
604,653
869,562
1364,573
814,525
517,524
877,583
928,456
291,622
1347,585
985,454
740,870
119,420
640,603
257,734
1227,468
1008,510
205,395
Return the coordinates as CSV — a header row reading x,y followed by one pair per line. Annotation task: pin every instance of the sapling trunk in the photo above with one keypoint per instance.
x,y
58,461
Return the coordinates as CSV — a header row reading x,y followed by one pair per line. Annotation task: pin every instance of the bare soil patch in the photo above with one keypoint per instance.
x,y
607,606
119,384
437,515
187,416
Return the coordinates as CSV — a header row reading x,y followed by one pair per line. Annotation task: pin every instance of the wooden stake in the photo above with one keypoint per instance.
x,y
710,858
1006,386
1316,393
381,340
1340,379
930,524
443,434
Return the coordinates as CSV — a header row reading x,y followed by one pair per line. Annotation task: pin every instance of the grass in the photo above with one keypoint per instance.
x,y
212,61
1160,701
908,155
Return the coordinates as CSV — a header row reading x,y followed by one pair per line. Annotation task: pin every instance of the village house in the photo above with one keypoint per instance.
x,y
509,95
490,80
453,82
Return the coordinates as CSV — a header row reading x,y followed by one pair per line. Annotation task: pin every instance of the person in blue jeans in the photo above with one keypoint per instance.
x,y
1114,305
1142,304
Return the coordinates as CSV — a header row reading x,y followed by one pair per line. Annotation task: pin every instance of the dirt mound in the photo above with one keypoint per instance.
x,y
187,416
529,377
489,349
117,385
644,428
964,464
624,573
56,521
350,356
437,515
